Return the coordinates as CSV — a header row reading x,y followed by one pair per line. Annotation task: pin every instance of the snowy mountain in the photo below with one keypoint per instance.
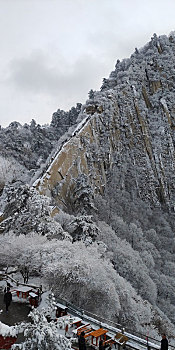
x,y
27,147
88,202
129,132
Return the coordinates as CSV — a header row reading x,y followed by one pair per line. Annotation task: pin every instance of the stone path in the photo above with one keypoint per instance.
x,y
17,312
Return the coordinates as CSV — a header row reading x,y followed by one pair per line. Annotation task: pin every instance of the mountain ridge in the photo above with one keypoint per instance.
x,y
137,123
97,218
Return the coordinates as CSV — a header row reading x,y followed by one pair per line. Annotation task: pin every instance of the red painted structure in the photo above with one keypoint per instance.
x,y
61,310
33,299
22,291
7,342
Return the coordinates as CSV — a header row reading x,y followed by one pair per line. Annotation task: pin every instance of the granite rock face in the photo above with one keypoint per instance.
x,y
109,165
126,129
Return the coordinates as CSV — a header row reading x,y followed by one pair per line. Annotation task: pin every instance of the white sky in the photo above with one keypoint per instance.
x,y
54,51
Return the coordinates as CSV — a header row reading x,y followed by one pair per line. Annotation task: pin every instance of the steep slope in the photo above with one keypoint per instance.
x,y
127,128
117,164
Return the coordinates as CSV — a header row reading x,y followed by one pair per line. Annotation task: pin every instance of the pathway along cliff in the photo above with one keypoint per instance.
x,y
126,129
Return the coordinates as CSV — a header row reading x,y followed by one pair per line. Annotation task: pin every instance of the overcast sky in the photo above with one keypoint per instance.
x,y
54,51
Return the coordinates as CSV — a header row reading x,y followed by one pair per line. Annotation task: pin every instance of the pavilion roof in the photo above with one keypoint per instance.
x,y
99,332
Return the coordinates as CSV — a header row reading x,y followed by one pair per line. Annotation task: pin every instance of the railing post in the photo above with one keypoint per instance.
x,y
148,346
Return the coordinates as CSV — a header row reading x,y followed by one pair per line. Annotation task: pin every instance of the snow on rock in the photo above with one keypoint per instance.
x,y
123,160
128,128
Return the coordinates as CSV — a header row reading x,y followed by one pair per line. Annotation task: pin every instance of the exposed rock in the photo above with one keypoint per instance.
x,y
130,128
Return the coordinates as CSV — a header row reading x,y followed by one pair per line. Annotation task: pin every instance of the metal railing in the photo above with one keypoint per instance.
x,y
135,339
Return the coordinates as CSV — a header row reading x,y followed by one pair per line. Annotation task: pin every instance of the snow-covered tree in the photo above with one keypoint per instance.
x,y
91,94
42,335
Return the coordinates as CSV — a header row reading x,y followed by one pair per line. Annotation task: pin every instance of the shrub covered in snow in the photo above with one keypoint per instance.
x,y
42,335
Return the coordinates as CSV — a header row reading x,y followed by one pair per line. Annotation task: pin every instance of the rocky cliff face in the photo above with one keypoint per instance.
x,y
126,129
112,158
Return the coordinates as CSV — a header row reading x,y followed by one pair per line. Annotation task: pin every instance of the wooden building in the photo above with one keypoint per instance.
x,y
61,310
33,299
7,342
22,291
